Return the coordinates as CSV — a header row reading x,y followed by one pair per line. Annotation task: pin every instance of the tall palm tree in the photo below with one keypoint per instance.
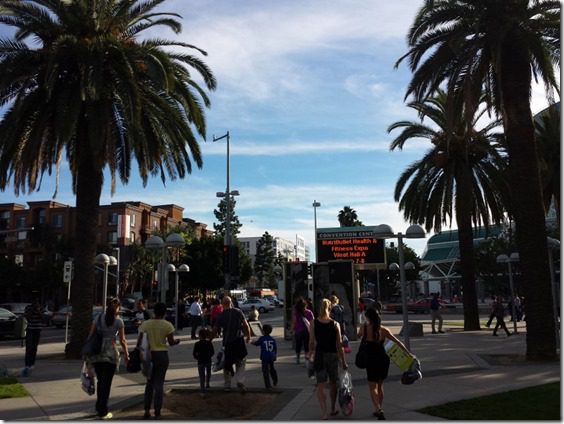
x,y
77,81
497,46
464,170
348,218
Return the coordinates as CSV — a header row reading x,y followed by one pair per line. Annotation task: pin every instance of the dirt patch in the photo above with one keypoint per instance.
x,y
217,405
505,359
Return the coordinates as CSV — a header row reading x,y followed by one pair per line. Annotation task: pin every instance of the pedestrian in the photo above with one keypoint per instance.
x,y
301,319
142,314
337,312
236,332
361,308
253,314
195,316
32,314
268,352
499,311
436,313
203,353
325,349
206,313
159,331
216,311
518,310
106,362
374,336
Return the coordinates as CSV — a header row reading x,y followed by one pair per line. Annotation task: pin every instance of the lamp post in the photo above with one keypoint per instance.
x,y
502,259
116,251
105,261
181,268
155,242
315,205
384,231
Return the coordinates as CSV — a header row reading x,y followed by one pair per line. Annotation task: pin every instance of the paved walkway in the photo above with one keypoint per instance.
x,y
456,365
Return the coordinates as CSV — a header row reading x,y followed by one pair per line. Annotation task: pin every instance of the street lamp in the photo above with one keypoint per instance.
x,y
155,242
315,205
504,259
117,253
181,268
384,231
105,261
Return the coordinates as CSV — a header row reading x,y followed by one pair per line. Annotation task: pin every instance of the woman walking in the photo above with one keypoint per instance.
x,y
159,332
325,341
374,335
301,319
106,362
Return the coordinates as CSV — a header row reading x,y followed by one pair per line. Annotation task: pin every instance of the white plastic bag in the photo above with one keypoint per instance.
x,y
145,355
346,398
87,377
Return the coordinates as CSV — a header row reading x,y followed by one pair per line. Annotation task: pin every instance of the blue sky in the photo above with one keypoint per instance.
x,y
307,90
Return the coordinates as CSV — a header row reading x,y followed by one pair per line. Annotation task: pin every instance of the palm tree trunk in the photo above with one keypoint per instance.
x,y
466,245
527,201
89,182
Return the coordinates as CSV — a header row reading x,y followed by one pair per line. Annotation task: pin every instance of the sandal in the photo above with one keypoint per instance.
x,y
334,413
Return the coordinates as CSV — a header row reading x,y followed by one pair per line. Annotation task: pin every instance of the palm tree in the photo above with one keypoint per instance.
x,y
463,170
497,46
77,81
348,218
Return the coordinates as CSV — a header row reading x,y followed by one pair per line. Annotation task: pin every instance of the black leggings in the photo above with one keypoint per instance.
x,y
302,338
155,384
105,374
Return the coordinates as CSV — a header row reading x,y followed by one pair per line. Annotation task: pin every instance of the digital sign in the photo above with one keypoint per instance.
x,y
352,243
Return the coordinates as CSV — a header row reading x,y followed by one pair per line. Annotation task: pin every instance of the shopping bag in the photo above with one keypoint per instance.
x,y
87,382
413,373
219,360
346,397
134,364
145,356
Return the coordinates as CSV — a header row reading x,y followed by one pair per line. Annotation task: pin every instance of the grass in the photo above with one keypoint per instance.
x,y
10,388
533,403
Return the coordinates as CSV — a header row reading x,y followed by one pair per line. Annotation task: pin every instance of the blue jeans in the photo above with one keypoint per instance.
x,y
31,343
204,371
268,372
155,384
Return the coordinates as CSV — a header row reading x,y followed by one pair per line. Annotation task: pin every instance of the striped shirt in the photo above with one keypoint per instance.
x,y
33,316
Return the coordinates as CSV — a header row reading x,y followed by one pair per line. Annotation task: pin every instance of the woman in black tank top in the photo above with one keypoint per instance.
x,y
325,349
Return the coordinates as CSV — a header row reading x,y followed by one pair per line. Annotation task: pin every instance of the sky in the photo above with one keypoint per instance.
x,y
307,90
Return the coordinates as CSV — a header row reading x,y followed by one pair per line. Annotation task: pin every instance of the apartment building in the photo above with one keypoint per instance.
x,y
291,250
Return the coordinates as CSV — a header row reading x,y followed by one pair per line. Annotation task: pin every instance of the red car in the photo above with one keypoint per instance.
x,y
422,306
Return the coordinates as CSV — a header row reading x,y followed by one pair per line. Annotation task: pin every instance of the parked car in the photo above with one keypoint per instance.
x,y
59,318
7,323
17,308
422,306
262,305
392,305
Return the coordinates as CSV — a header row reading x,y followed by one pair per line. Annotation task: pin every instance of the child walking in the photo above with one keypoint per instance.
x,y
203,353
268,351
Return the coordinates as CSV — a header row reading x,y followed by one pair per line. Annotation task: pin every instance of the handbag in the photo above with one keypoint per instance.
x,y
87,379
361,358
134,364
93,344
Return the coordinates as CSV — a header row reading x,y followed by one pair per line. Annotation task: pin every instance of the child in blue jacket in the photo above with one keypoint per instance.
x,y
268,350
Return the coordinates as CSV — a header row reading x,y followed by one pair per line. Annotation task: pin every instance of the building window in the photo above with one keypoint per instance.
x,y
58,220
20,222
132,237
41,216
132,220
112,237
112,218
4,220
155,226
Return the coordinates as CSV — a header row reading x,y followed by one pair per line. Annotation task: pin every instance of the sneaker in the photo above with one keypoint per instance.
x,y
207,386
108,416
25,372
494,334
379,415
510,334
202,395
433,332
241,387
441,331
146,415
227,389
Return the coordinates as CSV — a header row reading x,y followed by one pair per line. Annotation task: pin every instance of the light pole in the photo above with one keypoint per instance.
x,y
502,259
105,261
181,268
315,205
155,242
116,251
384,231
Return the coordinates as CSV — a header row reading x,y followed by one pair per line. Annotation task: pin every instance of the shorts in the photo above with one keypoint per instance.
x,y
329,369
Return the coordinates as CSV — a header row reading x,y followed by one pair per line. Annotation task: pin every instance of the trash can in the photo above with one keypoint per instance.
x,y
20,327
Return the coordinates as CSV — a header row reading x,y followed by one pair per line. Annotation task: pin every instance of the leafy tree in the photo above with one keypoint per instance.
x,y
221,216
77,81
462,171
496,47
348,218
264,260
204,258
140,269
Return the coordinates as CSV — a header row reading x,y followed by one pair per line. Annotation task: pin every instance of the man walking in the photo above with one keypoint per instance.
x,y
195,316
236,331
436,313
34,319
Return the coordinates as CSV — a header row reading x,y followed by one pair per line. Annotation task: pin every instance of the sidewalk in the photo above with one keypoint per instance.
x,y
456,365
